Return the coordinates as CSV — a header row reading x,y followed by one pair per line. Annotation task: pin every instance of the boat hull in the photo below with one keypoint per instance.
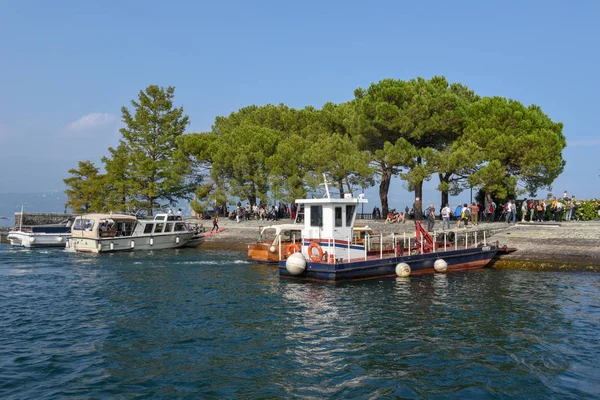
x,y
37,239
260,253
373,267
129,243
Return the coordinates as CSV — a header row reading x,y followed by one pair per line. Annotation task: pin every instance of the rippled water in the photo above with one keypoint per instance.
x,y
207,324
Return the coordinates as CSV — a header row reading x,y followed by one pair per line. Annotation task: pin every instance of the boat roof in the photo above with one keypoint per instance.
x,y
114,217
283,227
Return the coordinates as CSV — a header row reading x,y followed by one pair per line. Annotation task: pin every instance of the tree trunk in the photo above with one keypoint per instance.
x,y
151,204
384,188
418,206
340,186
445,197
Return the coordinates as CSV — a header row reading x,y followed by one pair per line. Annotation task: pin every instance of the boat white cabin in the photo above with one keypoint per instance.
x,y
97,233
329,224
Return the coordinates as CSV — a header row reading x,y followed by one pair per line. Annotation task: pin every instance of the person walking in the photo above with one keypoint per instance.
x,y
465,214
446,216
215,223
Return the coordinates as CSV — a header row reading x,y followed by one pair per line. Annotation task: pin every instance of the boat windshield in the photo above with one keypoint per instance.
x,y
82,224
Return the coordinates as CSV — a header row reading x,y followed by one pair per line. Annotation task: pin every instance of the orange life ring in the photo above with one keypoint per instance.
x,y
292,248
315,258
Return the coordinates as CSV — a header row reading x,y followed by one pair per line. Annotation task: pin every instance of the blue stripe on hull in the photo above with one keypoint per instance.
x,y
375,268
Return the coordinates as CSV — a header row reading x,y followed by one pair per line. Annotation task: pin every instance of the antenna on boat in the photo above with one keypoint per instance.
x,y
326,186
21,219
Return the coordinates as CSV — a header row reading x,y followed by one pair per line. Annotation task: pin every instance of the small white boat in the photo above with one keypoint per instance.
x,y
99,233
40,236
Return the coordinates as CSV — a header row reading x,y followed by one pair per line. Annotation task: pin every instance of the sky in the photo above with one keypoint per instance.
x,y
67,68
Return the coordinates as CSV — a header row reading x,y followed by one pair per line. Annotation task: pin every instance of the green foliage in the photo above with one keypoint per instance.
x,y
85,188
587,210
157,170
407,126
516,144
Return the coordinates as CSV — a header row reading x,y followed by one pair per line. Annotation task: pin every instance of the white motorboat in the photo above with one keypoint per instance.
x,y
40,236
99,233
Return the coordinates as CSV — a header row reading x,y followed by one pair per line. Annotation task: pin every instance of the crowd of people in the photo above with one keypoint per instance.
x,y
532,210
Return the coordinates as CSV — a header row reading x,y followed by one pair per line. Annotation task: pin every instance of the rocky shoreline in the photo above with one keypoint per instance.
x,y
540,246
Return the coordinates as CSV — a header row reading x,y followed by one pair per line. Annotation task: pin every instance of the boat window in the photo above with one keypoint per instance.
x,y
316,215
169,227
180,227
84,224
350,215
148,228
338,217
159,228
291,236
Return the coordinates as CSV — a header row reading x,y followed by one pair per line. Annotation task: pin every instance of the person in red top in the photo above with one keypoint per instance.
x,y
491,212
474,214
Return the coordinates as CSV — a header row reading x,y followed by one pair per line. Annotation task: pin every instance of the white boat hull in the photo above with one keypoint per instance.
x,y
37,239
129,243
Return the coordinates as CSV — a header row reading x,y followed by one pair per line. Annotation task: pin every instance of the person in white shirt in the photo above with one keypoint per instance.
x,y
446,216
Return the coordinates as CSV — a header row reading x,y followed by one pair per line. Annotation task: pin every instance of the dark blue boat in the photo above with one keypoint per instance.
x,y
329,252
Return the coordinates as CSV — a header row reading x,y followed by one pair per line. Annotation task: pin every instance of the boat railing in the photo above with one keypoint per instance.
x,y
380,245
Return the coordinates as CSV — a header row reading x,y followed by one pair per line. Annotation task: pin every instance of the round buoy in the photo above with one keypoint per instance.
x,y
403,270
440,266
59,239
31,240
272,249
295,264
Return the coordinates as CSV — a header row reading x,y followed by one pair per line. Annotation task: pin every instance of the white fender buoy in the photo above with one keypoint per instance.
x,y
132,244
440,266
295,264
112,246
59,239
151,241
32,240
177,240
403,270
272,249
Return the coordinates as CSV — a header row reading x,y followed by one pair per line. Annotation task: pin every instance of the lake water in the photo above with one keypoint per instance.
x,y
207,324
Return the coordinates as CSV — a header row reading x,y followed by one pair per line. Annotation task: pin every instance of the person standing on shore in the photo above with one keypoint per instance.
x,y
523,210
215,223
569,208
430,218
541,205
446,216
474,214
513,211
531,210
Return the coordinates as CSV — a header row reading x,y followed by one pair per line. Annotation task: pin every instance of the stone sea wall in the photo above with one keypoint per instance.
x,y
31,219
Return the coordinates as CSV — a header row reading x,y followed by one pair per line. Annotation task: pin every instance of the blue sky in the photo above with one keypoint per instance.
x,y
67,68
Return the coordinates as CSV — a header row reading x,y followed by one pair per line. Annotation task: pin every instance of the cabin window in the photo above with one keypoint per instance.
x,y
159,227
84,224
179,227
316,215
169,227
148,228
349,215
338,217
